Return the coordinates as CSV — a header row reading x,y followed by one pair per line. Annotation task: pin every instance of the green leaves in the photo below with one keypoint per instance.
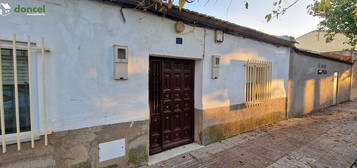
x,y
338,16
280,8
277,2
268,17
324,5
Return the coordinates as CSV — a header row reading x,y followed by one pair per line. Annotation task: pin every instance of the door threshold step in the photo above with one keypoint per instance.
x,y
165,155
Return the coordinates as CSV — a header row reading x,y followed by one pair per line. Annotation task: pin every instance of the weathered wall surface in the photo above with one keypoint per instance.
x,y
310,91
223,113
82,95
80,148
81,91
223,122
229,88
354,82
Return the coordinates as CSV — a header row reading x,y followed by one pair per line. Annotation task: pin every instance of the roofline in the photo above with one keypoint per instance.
x,y
313,31
312,54
198,19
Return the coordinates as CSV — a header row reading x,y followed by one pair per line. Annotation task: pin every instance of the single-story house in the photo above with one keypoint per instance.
x,y
98,83
317,81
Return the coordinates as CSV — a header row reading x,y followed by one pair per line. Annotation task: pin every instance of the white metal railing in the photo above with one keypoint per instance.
x,y
15,45
258,81
2,115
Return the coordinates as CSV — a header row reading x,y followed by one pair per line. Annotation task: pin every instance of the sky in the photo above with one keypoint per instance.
x,y
295,22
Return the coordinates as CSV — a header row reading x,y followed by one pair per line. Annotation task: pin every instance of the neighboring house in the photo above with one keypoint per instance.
x,y
316,41
317,81
110,85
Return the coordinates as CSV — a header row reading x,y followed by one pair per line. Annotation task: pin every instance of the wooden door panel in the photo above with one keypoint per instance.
x,y
171,103
154,101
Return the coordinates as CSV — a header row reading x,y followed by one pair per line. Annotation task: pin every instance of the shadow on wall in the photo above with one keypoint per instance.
x,y
242,56
120,104
95,96
224,122
309,95
232,90
225,113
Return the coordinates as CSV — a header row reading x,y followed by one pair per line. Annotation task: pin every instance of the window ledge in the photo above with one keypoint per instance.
x,y
255,103
24,137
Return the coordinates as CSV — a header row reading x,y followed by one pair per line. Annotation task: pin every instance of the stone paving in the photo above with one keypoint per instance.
x,y
327,139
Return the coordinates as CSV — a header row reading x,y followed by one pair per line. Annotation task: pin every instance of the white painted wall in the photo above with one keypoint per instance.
x,y
311,91
79,73
229,88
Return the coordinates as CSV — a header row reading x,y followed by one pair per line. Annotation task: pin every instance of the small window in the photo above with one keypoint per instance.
x,y
121,53
217,60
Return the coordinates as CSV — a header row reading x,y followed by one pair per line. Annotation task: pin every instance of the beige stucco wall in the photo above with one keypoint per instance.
x,y
354,82
316,41
310,91
227,121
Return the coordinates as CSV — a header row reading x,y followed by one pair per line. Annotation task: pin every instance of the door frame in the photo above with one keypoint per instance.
x,y
193,95
335,88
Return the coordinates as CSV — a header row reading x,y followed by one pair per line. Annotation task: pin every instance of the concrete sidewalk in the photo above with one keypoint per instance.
x,y
322,140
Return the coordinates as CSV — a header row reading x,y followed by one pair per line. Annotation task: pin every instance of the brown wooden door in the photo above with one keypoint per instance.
x,y
171,88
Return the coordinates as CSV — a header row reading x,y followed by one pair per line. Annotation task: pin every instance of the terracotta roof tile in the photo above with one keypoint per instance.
x,y
338,56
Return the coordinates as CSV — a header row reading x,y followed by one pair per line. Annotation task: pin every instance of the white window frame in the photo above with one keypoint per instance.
x,y
37,97
116,47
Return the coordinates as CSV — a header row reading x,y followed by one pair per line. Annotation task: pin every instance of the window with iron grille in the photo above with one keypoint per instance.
x,y
9,90
258,81
18,120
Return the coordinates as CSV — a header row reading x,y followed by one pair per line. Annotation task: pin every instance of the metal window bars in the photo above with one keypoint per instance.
x,y
29,47
258,81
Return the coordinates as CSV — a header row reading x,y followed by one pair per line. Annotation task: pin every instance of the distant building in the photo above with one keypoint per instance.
x,y
317,81
315,41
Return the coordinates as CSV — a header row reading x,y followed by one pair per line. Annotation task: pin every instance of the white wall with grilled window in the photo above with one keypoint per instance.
x,y
81,91
79,69
18,128
229,88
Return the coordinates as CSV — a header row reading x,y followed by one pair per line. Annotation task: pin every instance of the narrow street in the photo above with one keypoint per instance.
x,y
327,139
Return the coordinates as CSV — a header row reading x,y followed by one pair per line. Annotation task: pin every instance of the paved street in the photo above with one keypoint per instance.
x,y
327,139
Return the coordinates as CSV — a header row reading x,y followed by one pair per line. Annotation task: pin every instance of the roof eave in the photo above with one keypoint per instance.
x,y
197,19
316,55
